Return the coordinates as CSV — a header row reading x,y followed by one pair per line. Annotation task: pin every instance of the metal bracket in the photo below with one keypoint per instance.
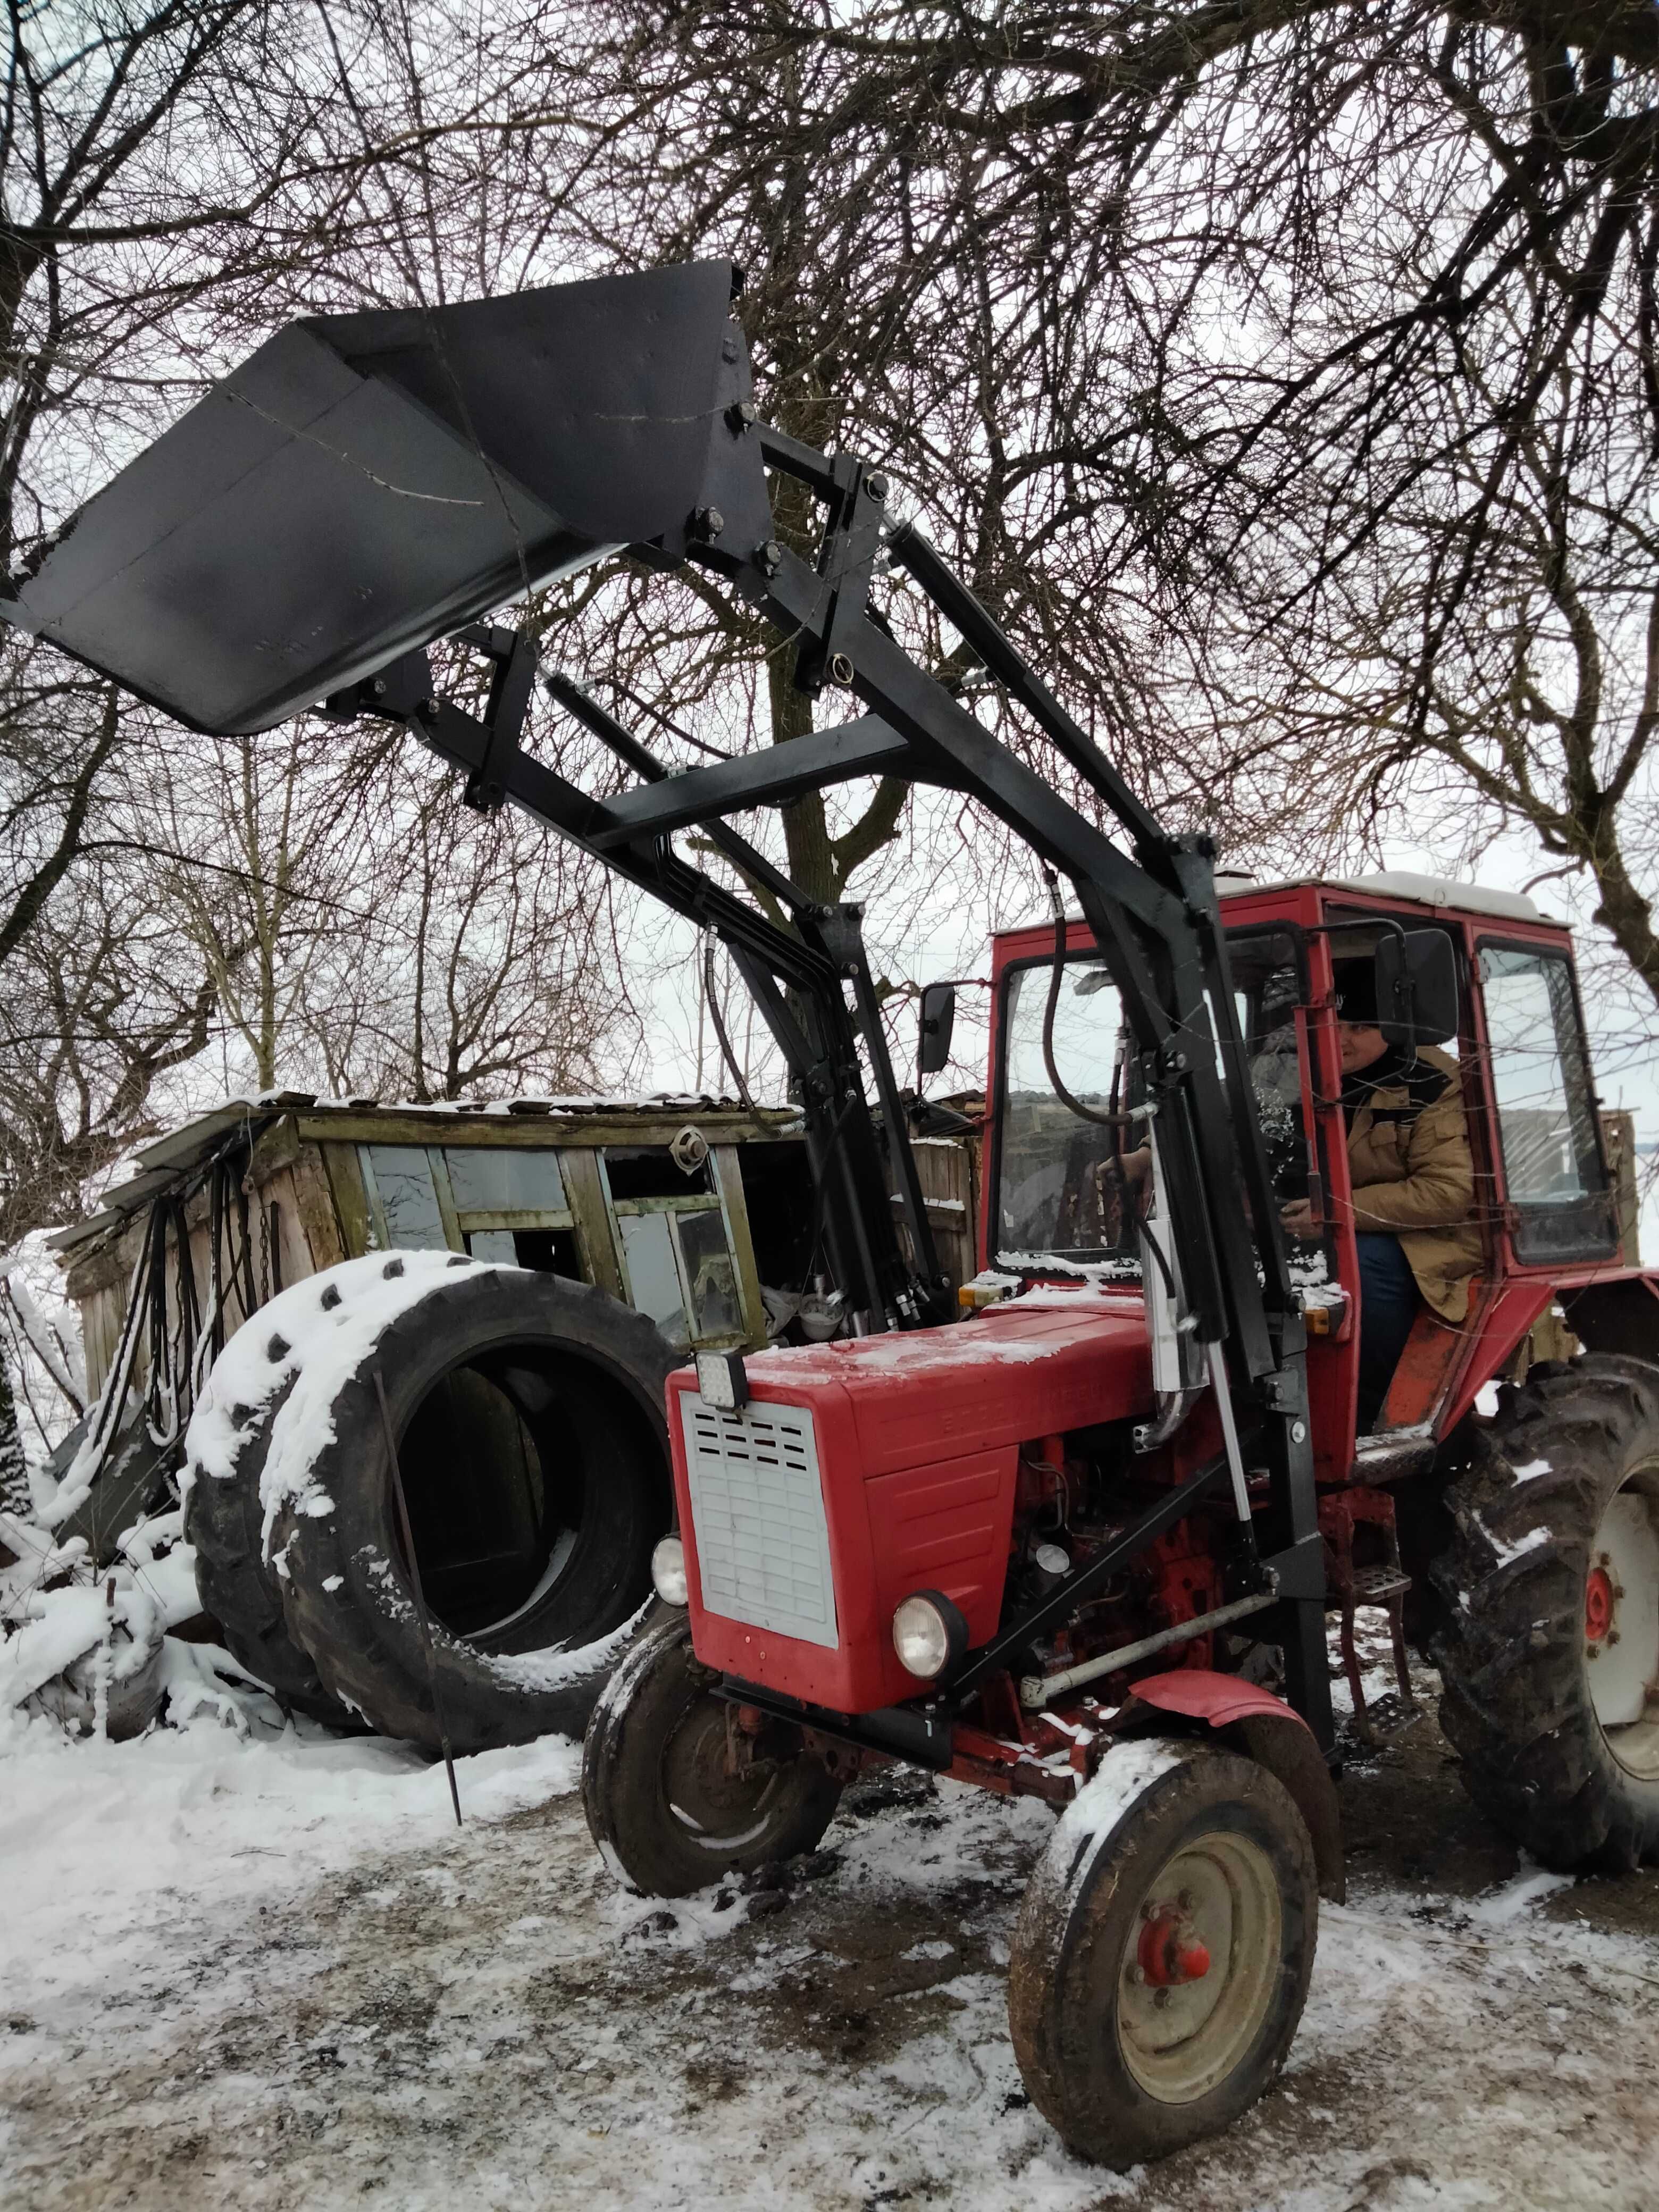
x,y
514,656
847,561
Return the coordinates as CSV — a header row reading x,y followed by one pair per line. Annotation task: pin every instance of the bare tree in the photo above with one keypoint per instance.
x,y
476,961
1228,349
99,1007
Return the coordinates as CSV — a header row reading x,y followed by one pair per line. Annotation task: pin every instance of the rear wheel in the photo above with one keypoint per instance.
x,y
1549,1651
1161,1960
677,1790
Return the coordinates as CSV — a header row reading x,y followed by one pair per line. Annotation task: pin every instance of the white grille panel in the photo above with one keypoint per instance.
x,y
757,1514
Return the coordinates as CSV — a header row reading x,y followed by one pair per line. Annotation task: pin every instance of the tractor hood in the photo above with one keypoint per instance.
x,y
364,483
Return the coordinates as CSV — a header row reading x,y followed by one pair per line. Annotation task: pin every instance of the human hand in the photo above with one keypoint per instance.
x,y
1296,1219
1136,1166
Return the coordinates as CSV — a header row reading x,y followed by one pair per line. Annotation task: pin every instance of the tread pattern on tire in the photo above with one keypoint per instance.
x,y
224,1520
1516,1698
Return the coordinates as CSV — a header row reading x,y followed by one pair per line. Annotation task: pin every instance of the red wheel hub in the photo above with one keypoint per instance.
x,y
1598,1604
1169,1951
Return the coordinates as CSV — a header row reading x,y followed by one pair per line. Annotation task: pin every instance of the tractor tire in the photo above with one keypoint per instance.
x,y
237,1585
667,1815
1161,1958
531,1441
1549,1635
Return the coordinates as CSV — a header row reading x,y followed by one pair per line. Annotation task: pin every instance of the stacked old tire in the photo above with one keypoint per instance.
x,y
520,1416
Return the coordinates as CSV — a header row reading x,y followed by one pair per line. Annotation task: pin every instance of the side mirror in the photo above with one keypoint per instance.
x,y
1417,988
938,1015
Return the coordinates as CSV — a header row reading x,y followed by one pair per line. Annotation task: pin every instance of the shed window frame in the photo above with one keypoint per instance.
x,y
457,1223
712,1201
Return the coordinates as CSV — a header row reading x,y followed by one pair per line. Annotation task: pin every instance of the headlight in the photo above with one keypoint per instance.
x,y
928,1633
668,1571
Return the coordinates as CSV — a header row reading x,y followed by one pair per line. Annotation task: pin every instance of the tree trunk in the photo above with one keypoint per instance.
x,y
14,1474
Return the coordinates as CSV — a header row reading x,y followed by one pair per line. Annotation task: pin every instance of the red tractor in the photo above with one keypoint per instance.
x,y
1080,1540
969,1549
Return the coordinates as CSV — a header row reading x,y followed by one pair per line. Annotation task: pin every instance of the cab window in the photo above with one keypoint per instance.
x,y
1053,1199
1554,1177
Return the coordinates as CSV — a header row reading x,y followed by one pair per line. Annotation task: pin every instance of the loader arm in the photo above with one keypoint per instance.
x,y
367,484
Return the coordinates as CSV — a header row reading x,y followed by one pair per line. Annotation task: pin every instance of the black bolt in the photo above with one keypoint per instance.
x,y
740,416
840,668
427,709
713,521
876,486
771,556
378,686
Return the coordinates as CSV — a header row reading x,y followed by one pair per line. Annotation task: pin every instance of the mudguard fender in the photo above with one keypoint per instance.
x,y
1253,1721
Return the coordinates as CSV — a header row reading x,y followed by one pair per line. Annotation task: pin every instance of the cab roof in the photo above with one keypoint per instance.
x,y
1391,883
1395,884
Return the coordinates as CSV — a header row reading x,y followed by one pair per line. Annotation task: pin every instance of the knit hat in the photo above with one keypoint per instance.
x,y
1356,990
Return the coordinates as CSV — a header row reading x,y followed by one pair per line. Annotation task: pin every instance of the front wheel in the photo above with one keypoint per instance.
x,y
1161,1960
679,1790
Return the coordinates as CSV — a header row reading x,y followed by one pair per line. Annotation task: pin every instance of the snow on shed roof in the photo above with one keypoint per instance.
x,y
193,1143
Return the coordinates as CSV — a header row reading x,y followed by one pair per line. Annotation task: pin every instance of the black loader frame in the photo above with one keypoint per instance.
x,y
555,427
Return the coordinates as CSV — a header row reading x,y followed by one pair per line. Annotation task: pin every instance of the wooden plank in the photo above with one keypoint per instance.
x,y
278,1147
1619,1135
345,1184
542,1132
446,1197
290,1249
313,1204
728,1170
945,1170
580,1172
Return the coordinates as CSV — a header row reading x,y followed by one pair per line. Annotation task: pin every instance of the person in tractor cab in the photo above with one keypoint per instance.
x,y
1413,1185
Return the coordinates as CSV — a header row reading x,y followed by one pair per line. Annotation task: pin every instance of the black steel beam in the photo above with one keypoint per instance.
x,y
864,746
913,553
627,747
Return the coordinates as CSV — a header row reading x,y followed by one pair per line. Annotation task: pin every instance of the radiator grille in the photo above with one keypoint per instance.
x,y
757,1513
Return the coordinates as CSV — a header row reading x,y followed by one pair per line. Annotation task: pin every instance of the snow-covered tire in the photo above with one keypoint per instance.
x,y
1550,1630
661,1804
1161,1958
526,1394
224,1520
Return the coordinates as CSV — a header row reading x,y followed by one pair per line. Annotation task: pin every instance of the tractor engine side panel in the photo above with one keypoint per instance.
x,y
803,1535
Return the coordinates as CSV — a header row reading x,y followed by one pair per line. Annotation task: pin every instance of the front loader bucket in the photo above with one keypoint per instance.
x,y
367,482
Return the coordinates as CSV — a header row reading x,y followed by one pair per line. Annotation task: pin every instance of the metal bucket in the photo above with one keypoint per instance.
x,y
364,483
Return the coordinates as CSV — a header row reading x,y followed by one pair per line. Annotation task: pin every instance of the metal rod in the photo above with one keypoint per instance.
x,y
1223,1402
420,1597
1082,1583
1036,1690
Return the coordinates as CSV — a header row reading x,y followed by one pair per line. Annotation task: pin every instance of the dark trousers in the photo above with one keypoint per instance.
x,y
1389,1300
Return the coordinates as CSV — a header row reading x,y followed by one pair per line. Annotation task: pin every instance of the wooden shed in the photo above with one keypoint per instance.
x,y
688,1208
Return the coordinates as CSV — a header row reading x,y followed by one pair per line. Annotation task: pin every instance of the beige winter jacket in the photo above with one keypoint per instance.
x,y
1412,1174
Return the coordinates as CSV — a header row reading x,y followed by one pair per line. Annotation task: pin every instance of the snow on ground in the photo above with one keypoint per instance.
x,y
272,1972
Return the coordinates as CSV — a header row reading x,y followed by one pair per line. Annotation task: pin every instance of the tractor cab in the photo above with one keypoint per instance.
x,y
1495,1011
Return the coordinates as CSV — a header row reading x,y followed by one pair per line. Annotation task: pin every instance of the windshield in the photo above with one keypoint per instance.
x,y
1056,1196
